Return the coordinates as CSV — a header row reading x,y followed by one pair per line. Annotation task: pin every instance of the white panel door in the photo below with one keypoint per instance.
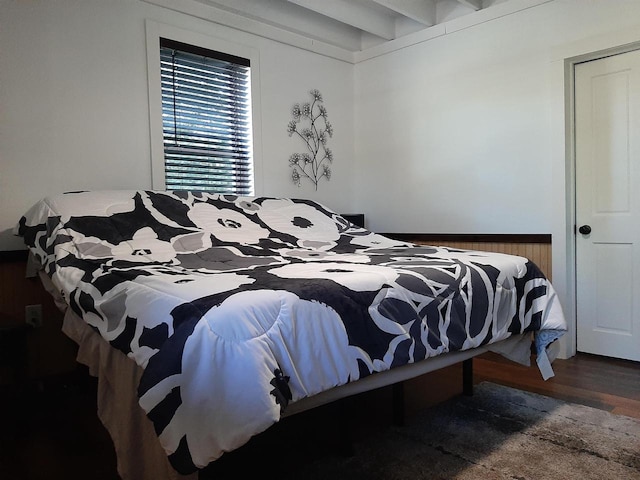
x,y
607,96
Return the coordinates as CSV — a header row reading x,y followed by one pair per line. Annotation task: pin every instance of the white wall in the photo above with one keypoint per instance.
x,y
464,133
74,110
455,132
469,132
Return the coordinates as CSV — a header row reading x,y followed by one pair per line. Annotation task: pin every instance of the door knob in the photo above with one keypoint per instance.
x,y
585,229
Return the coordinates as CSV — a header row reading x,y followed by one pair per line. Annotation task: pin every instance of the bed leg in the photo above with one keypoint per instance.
x,y
467,377
398,404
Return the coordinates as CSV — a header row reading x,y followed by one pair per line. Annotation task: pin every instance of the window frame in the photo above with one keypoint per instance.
x,y
156,31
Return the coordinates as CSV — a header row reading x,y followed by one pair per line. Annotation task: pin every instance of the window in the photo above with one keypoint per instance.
x,y
206,119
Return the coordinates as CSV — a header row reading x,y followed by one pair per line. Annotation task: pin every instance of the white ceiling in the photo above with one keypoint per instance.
x,y
349,30
354,25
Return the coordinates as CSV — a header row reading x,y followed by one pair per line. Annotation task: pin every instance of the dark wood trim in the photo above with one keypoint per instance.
x,y
472,237
21,255
9,256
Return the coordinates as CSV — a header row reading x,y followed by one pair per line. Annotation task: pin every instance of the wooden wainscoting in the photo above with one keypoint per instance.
x,y
49,351
536,248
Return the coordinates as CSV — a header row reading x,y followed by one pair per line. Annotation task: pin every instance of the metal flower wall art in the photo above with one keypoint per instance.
x,y
311,125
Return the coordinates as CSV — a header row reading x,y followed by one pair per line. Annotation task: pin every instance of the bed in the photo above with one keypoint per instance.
x,y
218,315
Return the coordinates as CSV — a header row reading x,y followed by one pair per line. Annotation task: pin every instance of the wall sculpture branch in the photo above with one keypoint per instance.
x,y
311,125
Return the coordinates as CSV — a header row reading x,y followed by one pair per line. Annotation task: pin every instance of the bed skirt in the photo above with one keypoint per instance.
x,y
138,450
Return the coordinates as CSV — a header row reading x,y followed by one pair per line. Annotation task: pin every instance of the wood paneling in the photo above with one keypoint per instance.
x,y
50,352
536,248
16,291
538,253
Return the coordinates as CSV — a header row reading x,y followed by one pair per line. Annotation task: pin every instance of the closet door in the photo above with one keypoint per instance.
x,y
607,99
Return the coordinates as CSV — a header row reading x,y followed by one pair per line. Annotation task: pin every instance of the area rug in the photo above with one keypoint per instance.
x,y
498,433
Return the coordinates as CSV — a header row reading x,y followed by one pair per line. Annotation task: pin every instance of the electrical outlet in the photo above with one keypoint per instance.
x,y
33,315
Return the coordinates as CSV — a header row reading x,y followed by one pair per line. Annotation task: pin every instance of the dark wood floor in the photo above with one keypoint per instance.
x,y
600,382
50,431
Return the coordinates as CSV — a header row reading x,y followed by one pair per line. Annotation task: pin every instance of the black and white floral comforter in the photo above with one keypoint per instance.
x,y
235,307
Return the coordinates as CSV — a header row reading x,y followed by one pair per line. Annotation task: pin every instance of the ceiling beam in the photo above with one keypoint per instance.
x,y
366,19
282,14
475,4
422,11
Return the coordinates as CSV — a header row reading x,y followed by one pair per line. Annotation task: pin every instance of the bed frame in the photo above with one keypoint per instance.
x,y
138,450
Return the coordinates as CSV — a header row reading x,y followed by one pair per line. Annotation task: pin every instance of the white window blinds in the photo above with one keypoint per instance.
x,y
206,119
